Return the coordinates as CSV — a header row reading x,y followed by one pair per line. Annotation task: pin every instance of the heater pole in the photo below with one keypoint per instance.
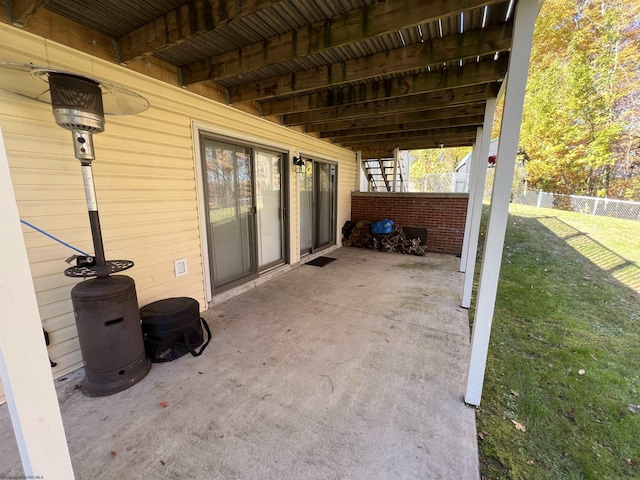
x,y
94,219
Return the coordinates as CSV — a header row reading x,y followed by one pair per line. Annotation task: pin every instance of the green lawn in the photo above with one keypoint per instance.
x,y
564,359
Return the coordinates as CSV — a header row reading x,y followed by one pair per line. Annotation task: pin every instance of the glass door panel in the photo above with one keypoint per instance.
x,y
324,176
270,222
230,210
305,183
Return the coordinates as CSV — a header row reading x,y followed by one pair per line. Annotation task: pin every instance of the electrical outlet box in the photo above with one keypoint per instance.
x,y
180,267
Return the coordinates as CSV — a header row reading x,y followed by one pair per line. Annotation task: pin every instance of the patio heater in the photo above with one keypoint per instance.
x,y
106,306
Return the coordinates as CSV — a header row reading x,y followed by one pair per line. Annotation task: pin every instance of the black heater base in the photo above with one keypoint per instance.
x,y
110,334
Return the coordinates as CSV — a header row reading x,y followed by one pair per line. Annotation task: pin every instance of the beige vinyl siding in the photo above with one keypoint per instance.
x,y
145,176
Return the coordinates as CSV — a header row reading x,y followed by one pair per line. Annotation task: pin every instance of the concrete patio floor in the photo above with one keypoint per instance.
x,y
351,371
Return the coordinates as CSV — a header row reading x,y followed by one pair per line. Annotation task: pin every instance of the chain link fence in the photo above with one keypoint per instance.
x,y
605,207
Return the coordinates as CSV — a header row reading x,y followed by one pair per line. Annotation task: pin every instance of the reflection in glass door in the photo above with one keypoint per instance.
x,y
317,190
229,197
305,185
324,183
270,209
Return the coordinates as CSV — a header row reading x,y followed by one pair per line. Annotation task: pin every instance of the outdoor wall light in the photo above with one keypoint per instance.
x,y
298,163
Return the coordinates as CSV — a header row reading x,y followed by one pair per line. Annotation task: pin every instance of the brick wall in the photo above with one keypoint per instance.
x,y
442,214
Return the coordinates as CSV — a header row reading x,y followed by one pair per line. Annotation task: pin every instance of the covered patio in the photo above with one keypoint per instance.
x,y
353,370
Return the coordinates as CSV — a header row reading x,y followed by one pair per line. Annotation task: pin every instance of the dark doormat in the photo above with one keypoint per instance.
x,y
320,261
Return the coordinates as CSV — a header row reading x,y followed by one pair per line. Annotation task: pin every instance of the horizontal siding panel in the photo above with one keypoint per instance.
x,y
49,282
56,309
79,237
25,193
58,351
60,322
151,228
53,296
67,363
60,335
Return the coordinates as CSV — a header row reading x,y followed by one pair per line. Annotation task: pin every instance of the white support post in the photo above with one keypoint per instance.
x,y
24,363
361,176
525,19
396,159
476,207
473,172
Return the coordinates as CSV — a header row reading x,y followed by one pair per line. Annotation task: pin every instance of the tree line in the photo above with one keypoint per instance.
x,y
581,123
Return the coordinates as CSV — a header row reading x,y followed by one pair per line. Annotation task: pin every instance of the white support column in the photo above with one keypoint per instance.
x,y
363,180
476,207
24,363
396,159
473,173
525,18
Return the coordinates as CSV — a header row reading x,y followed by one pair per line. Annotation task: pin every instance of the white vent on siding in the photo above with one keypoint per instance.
x,y
180,267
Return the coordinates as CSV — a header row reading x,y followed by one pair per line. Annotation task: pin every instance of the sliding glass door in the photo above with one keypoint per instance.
x,y
245,210
317,197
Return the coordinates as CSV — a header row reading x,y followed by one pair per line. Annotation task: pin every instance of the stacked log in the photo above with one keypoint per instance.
x,y
358,234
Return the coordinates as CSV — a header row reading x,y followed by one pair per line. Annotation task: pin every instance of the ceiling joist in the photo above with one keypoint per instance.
x,y
340,136
398,119
427,101
468,75
371,21
189,20
427,135
386,150
23,10
452,48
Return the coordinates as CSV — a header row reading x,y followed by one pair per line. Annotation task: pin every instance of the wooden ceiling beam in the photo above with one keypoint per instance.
x,y
338,136
386,151
189,20
470,74
471,44
420,135
396,119
22,10
427,101
413,144
368,22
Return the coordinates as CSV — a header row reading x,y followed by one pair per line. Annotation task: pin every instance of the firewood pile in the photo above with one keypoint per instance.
x,y
359,234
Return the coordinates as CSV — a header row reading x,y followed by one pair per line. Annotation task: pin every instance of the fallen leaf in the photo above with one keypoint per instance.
x,y
519,426
164,404
161,462
238,384
530,462
386,340
632,408
514,393
581,371
629,461
483,435
113,454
